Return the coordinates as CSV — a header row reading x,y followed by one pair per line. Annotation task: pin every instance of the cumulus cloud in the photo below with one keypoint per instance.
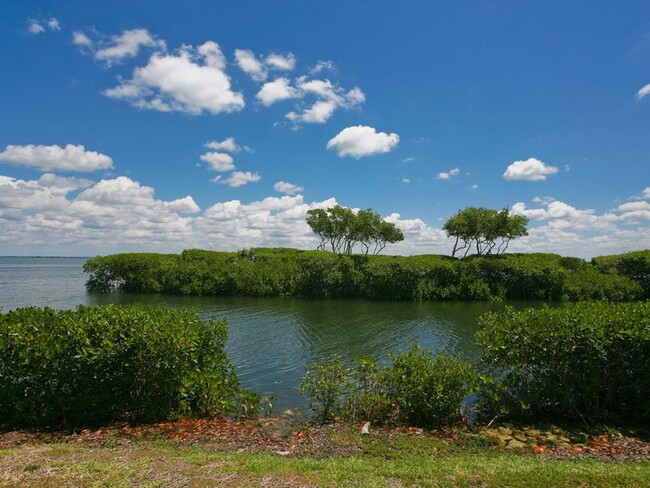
x,y
53,158
249,64
322,66
276,91
183,205
287,188
110,214
227,144
328,97
80,39
55,214
406,180
53,24
473,187
281,62
530,170
560,215
238,178
219,161
448,175
191,81
127,45
644,91
360,141
34,27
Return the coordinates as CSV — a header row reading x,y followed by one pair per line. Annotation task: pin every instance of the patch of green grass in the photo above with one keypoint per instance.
x,y
382,461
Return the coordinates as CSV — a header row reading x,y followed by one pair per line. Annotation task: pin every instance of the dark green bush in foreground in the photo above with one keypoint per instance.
x,y
416,389
97,364
588,361
320,274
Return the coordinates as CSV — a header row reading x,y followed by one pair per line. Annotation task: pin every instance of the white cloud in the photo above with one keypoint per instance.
x,y
34,27
544,200
646,192
360,141
447,175
318,113
53,24
562,216
406,180
329,97
408,160
192,81
474,187
183,205
81,39
46,216
322,66
227,144
644,91
238,178
127,45
219,161
530,170
280,62
52,158
258,68
276,90
287,188
249,64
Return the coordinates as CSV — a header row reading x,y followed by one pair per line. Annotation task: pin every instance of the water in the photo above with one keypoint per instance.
x,y
270,339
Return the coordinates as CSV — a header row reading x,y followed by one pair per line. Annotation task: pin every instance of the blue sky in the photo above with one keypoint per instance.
x,y
163,126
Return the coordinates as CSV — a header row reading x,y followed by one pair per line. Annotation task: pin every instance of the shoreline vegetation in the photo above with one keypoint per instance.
x,y
152,388
290,272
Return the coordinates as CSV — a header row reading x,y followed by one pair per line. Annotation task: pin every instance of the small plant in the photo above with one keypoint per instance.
x,y
417,389
325,385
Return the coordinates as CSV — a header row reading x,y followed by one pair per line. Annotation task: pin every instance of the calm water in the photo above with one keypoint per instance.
x,y
270,339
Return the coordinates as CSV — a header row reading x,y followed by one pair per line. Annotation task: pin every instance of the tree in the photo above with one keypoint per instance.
x,y
341,229
484,230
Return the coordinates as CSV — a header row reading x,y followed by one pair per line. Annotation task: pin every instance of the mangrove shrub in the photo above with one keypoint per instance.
x,y
585,361
98,364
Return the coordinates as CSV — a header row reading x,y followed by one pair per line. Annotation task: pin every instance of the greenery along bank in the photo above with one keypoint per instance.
x,y
321,274
99,364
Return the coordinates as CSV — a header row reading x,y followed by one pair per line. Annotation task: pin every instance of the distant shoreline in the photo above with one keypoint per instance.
x,y
49,257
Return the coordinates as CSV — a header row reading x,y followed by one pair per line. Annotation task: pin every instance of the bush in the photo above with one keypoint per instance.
x,y
581,361
98,364
321,274
417,389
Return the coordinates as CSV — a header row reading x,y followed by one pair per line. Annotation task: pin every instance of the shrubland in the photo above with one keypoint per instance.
x,y
321,274
585,363
66,368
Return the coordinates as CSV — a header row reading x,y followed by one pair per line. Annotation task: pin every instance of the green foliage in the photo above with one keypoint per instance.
x,y
342,229
97,364
484,230
587,360
325,385
416,389
320,274
633,265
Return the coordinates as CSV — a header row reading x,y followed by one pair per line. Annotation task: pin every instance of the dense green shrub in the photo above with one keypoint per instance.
x,y
633,265
97,364
416,389
321,274
587,360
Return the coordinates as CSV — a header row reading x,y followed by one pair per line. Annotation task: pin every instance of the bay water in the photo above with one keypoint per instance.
x,y
270,340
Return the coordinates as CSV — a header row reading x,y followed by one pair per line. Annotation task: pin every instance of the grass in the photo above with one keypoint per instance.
x,y
381,460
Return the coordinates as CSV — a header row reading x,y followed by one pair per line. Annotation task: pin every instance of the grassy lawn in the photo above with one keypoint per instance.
x,y
348,460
